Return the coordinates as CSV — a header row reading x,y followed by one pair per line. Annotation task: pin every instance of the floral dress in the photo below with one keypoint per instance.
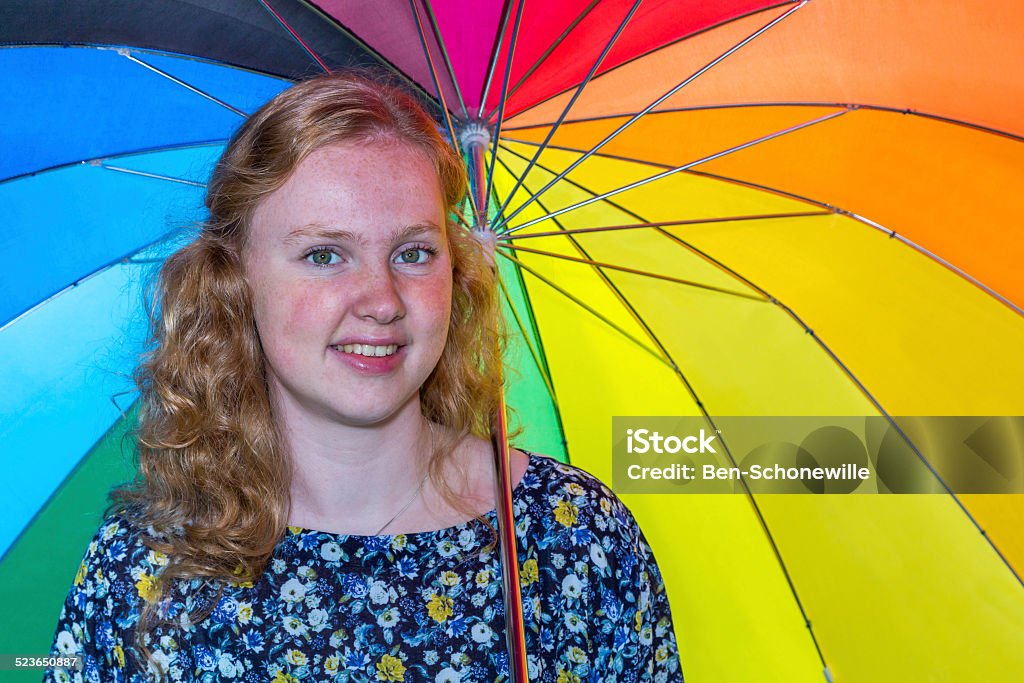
x,y
408,607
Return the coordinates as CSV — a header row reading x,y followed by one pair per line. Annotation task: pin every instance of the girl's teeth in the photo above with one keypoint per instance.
x,y
368,350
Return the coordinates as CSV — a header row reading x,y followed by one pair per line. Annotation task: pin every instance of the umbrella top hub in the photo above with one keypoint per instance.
x,y
488,240
474,134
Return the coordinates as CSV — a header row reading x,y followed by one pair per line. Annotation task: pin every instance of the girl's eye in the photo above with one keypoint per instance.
x,y
322,257
416,254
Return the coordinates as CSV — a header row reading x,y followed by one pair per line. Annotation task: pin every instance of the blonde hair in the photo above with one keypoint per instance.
x,y
213,479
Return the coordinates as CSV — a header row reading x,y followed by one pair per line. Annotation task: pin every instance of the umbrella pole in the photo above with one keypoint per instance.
x,y
475,138
515,629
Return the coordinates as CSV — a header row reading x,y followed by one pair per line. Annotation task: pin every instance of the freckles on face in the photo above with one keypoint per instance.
x,y
351,250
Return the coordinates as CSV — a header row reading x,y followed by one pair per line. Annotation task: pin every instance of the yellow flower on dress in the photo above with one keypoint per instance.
x,y
450,578
146,585
577,655
529,572
391,668
119,655
80,576
331,665
639,621
566,512
282,677
483,577
296,658
439,608
398,542
661,654
574,488
238,571
567,677
244,612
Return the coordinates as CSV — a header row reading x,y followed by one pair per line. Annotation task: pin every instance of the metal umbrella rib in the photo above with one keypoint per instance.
x,y
658,176
650,107
551,48
579,91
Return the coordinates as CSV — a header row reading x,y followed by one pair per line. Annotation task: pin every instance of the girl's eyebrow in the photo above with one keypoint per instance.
x,y
323,232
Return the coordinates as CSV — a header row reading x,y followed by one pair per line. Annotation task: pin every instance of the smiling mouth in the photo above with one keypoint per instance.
x,y
368,350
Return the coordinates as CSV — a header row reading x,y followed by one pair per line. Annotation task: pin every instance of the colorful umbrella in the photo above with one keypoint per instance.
x,y
729,208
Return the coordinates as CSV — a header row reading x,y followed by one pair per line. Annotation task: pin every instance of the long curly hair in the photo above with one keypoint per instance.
x,y
212,484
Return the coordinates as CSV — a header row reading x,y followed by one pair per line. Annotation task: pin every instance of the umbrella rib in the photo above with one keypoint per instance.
x,y
581,304
573,183
664,174
636,271
369,50
125,52
551,48
935,257
680,39
636,117
444,53
870,223
745,105
144,174
120,260
501,105
295,36
526,338
656,164
92,160
437,86
565,112
494,59
673,238
662,224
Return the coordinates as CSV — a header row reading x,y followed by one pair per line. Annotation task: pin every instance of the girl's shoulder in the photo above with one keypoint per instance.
x,y
120,557
567,500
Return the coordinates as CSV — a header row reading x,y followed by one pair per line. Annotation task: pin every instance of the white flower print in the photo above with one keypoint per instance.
x,y
574,623
381,593
66,644
481,633
295,626
388,618
227,666
293,591
572,587
597,556
448,675
446,548
318,620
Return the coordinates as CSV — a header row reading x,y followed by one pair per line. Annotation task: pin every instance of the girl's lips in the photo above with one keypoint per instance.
x,y
370,365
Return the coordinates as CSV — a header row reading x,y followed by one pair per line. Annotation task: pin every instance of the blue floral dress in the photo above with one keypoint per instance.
x,y
409,607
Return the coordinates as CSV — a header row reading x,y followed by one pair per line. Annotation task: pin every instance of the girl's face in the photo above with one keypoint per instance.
x,y
351,277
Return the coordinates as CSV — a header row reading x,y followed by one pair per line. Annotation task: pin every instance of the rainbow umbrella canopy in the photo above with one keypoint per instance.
x,y
702,209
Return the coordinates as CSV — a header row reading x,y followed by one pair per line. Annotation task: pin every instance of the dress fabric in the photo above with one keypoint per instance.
x,y
408,607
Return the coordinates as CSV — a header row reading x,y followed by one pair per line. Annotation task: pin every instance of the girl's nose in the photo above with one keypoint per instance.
x,y
379,299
